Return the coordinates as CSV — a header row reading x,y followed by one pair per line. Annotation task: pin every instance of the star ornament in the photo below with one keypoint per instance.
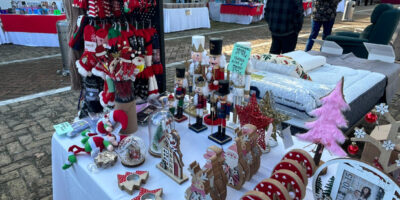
x,y
388,145
359,133
145,194
382,108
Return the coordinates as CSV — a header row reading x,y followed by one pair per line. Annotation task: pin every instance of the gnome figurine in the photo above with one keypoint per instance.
x,y
223,109
112,123
200,102
180,92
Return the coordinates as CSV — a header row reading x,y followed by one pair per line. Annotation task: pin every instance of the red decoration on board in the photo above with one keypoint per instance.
x,y
353,149
251,114
371,117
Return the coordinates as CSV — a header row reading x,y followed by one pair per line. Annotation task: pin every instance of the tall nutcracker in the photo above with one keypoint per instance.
x,y
180,92
200,102
215,73
199,58
240,88
223,110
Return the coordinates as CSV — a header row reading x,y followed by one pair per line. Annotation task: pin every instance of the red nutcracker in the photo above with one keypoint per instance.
x,y
216,69
200,102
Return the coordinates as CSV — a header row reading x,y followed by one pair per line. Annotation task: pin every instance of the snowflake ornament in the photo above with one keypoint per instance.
x,y
382,108
388,145
398,163
360,133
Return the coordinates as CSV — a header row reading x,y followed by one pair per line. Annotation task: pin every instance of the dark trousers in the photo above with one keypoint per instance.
x,y
315,27
283,44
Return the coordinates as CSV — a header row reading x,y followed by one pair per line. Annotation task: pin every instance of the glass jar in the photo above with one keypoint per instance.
x,y
160,123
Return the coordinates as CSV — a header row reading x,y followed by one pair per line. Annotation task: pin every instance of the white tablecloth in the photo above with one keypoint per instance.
x,y
340,7
179,19
216,15
33,39
3,37
78,182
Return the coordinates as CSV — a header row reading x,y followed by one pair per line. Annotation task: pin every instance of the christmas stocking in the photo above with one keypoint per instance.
x,y
107,96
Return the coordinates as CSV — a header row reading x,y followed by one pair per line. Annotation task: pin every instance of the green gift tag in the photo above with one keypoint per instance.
x,y
239,59
63,128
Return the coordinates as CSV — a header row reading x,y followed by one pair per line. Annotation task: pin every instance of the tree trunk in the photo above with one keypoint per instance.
x,y
318,154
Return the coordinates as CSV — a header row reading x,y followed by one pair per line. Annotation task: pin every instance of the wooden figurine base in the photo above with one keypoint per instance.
x,y
232,125
197,129
214,137
179,120
176,179
158,155
132,164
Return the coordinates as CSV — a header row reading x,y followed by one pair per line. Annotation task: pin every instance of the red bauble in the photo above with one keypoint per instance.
x,y
371,117
353,149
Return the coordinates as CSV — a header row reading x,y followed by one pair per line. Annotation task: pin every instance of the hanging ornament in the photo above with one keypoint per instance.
x,y
353,149
371,117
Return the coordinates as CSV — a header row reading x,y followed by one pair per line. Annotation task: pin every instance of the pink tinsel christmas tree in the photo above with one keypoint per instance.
x,y
325,131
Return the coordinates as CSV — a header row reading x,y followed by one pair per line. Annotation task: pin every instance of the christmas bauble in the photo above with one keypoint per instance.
x,y
353,149
371,117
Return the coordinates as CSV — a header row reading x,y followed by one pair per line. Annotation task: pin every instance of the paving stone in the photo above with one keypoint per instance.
x,y
4,109
18,189
46,180
14,147
36,129
46,170
14,166
12,134
20,126
31,174
37,143
26,154
43,159
44,192
4,159
50,197
43,135
46,124
9,176
25,139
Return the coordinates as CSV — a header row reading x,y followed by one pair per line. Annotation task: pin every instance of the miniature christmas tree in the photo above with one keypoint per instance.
x,y
267,108
318,185
325,131
328,187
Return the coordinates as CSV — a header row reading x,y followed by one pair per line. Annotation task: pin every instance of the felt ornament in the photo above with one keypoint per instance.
x,y
114,36
273,189
89,35
107,8
107,96
116,8
102,59
76,40
325,131
149,194
93,8
86,63
292,182
131,181
101,37
112,123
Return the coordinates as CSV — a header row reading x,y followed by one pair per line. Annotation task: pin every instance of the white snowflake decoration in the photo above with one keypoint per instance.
x,y
398,163
388,145
382,108
360,133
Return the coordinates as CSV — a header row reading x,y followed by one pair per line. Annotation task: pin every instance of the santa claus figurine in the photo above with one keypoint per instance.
x,y
223,110
112,123
200,102
180,92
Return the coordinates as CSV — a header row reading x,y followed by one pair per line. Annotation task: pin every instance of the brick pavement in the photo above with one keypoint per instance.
x,y
26,127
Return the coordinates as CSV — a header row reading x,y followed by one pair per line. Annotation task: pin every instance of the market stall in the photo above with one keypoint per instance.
x,y
236,13
31,30
179,17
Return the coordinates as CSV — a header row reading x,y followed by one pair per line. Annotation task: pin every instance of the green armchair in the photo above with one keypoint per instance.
x,y
384,21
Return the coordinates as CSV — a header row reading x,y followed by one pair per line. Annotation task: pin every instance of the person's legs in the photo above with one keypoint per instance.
x,y
315,27
276,46
289,43
327,28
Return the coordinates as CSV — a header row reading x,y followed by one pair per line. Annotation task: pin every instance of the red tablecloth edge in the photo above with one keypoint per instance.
x,y
30,23
241,9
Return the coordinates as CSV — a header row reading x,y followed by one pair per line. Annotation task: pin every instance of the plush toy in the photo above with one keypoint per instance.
x,y
112,123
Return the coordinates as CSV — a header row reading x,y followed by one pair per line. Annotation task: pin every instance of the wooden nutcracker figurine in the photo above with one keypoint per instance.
x,y
200,102
240,89
215,73
180,92
223,111
199,58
